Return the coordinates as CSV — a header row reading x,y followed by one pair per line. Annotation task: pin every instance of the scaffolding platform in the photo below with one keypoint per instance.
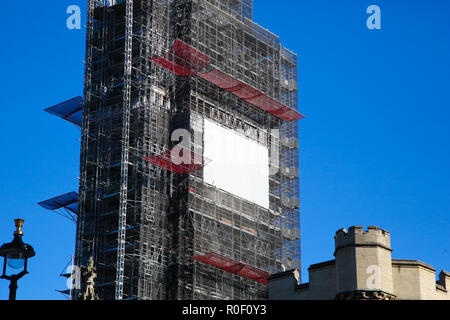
x,y
185,60
235,267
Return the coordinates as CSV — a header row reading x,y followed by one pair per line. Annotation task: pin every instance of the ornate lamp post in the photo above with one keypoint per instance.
x,y
15,254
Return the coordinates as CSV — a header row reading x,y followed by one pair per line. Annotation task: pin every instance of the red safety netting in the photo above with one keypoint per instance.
x,y
170,160
188,56
172,66
251,95
235,267
182,59
220,79
185,60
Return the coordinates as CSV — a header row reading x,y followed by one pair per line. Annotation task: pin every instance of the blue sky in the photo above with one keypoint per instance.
x,y
374,148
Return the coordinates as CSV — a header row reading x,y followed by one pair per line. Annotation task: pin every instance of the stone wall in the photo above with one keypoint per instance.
x,y
363,269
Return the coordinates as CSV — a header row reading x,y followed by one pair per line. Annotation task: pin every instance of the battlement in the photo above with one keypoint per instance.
x,y
357,236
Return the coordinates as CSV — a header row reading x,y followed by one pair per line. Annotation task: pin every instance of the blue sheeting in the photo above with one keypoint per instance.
x,y
73,207
68,201
70,110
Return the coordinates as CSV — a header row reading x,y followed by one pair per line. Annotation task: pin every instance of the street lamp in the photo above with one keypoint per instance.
x,y
15,254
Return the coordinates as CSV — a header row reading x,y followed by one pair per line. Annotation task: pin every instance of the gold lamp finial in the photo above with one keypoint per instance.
x,y
19,225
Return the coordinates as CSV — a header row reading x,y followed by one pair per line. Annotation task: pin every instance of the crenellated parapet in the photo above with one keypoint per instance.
x,y
356,236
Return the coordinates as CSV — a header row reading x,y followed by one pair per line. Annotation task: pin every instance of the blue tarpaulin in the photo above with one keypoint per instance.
x,y
70,110
68,201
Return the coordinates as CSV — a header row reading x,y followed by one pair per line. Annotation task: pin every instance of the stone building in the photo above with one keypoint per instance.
x,y
363,270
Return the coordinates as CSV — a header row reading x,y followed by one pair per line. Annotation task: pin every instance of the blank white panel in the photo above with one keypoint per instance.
x,y
238,165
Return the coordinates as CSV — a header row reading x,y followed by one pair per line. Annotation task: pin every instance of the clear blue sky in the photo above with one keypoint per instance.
x,y
374,148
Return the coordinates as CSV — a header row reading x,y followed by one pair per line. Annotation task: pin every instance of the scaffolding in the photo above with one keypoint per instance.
x,y
155,229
